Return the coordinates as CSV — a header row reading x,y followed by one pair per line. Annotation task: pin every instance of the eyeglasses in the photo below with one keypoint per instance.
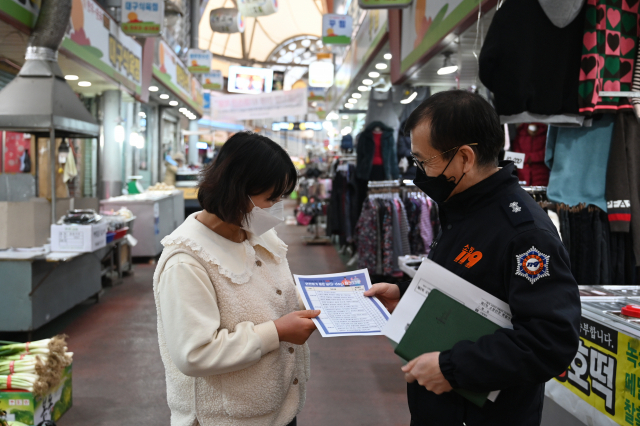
x,y
420,164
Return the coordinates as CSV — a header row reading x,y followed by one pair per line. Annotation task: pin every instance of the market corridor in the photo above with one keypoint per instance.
x,y
118,376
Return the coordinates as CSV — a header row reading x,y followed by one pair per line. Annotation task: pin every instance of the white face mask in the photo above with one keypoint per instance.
x,y
262,220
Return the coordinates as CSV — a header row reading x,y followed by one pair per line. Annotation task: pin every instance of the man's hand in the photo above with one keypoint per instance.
x,y
388,294
426,370
296,327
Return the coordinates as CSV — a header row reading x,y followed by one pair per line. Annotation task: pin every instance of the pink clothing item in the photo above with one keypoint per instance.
x,y
377,152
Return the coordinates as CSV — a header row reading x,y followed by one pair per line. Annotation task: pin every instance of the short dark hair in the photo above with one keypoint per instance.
x,y
247,164
457,117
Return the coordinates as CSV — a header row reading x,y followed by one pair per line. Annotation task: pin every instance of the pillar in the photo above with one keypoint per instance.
x,y
193,142
111,157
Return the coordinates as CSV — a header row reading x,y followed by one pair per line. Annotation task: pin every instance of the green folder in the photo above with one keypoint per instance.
x,y
440,323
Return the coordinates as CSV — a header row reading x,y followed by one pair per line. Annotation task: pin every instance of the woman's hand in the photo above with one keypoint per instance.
x,y
388,294
296,327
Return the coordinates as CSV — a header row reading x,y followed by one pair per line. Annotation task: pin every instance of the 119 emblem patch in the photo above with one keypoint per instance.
x,y
532,265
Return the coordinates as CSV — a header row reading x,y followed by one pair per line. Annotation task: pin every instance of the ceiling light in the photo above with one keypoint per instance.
x,y
118,133
84,84
447,67
367,81
70,77
142,114
153,88
381,66
348,106
388,56
352,101
173,103
164,96
296,60
363,88
283,52
345,117
356,95
292,46
307,54
319,43
374,74
183,109
306,43
409,99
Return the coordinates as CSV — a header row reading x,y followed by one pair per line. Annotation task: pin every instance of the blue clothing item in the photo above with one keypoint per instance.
x,y
578,157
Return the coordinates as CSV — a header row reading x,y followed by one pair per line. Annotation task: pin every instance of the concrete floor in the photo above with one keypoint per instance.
x,y
119,377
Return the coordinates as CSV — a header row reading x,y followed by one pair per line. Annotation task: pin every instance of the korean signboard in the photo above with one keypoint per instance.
x,y
170,70
321,74
24,11
337,29
142,18
98,40
255,8
226,20
199,61
606,372
213,80
384,4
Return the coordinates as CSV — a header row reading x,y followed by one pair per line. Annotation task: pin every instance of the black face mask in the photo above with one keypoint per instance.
x,y
438,188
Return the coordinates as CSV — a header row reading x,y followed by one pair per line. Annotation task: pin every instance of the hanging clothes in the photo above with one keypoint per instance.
x,y
531,139
366,151
608,54
531,65
343,211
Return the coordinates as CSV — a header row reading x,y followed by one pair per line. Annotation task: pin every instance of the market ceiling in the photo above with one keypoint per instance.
x,y
261,35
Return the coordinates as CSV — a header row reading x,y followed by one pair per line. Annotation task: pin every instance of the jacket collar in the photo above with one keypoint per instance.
x,y
480,194
234,260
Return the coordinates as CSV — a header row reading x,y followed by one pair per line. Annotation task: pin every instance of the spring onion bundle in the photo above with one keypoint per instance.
x,y
34,366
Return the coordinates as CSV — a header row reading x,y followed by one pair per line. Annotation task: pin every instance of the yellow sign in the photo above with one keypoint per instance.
x,y
190,193
606,372
123,58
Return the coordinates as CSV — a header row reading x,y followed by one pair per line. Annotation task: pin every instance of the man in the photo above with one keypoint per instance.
x,y
495,236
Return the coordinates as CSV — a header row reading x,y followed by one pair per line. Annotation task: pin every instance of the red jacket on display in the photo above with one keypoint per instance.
x,y
531,140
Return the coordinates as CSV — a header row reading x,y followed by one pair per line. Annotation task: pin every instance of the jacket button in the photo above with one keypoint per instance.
x,y
291,350
258,263
295,381
278,292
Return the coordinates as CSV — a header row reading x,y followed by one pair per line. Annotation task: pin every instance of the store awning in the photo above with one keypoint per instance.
x,y
262,35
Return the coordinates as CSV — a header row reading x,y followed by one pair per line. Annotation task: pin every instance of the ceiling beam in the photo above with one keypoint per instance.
x,y
249,61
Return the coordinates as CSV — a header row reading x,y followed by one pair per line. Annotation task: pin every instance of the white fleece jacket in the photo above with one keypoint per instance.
x,y
216,302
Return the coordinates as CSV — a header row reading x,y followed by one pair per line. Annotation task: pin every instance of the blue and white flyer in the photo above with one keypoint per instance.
x,y
345,309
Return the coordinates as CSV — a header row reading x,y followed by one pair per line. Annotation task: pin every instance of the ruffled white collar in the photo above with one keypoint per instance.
x,y
234,260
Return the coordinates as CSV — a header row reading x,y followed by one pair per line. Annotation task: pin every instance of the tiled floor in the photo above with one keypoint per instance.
x,y
119,377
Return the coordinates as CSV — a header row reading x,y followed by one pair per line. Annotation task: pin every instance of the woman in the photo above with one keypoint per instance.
x,y
231,336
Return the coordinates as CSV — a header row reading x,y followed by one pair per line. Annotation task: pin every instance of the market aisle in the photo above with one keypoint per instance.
x,y
119,377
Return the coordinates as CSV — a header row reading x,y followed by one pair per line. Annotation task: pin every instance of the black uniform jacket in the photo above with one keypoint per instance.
x,y
497,237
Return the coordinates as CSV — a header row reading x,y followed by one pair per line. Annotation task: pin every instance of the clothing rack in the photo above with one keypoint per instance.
x,y
535,189
383,184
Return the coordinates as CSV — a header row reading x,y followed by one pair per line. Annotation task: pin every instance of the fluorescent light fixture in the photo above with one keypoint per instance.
x,y
356,95
84,84
348,106
381,66
345,117
173,103
164,96
305,43
363,88
118,133
71,77
448,70
153,88
352,101
374,74
388,56
346,130
409,99
183,109
367,81
292,46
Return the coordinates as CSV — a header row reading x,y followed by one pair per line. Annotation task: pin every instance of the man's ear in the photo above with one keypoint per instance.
x,y
468,157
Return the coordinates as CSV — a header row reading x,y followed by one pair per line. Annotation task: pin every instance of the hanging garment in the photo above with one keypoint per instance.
x,y
623,179
367,237
578,159
383,108
347,142
531,65
426,228
635,85
608,54
366,152
413,214
531,140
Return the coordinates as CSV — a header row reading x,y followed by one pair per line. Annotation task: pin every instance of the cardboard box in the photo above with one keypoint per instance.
x,y
24,223
25,407
78,238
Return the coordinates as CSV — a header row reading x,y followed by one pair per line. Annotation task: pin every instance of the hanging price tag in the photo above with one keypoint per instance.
x,y
516,157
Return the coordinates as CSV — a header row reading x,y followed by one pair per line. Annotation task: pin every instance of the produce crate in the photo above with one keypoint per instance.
x,y
25,407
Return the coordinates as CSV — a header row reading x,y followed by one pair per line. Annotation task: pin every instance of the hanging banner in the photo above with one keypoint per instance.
x,y
255,8
384,4
213,80
23,11
266,105
321,74
199,61
142,18
226,20
606,372
95,38
337,29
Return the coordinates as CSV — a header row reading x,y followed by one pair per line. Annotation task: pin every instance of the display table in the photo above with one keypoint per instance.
x,y
38,288
158,214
